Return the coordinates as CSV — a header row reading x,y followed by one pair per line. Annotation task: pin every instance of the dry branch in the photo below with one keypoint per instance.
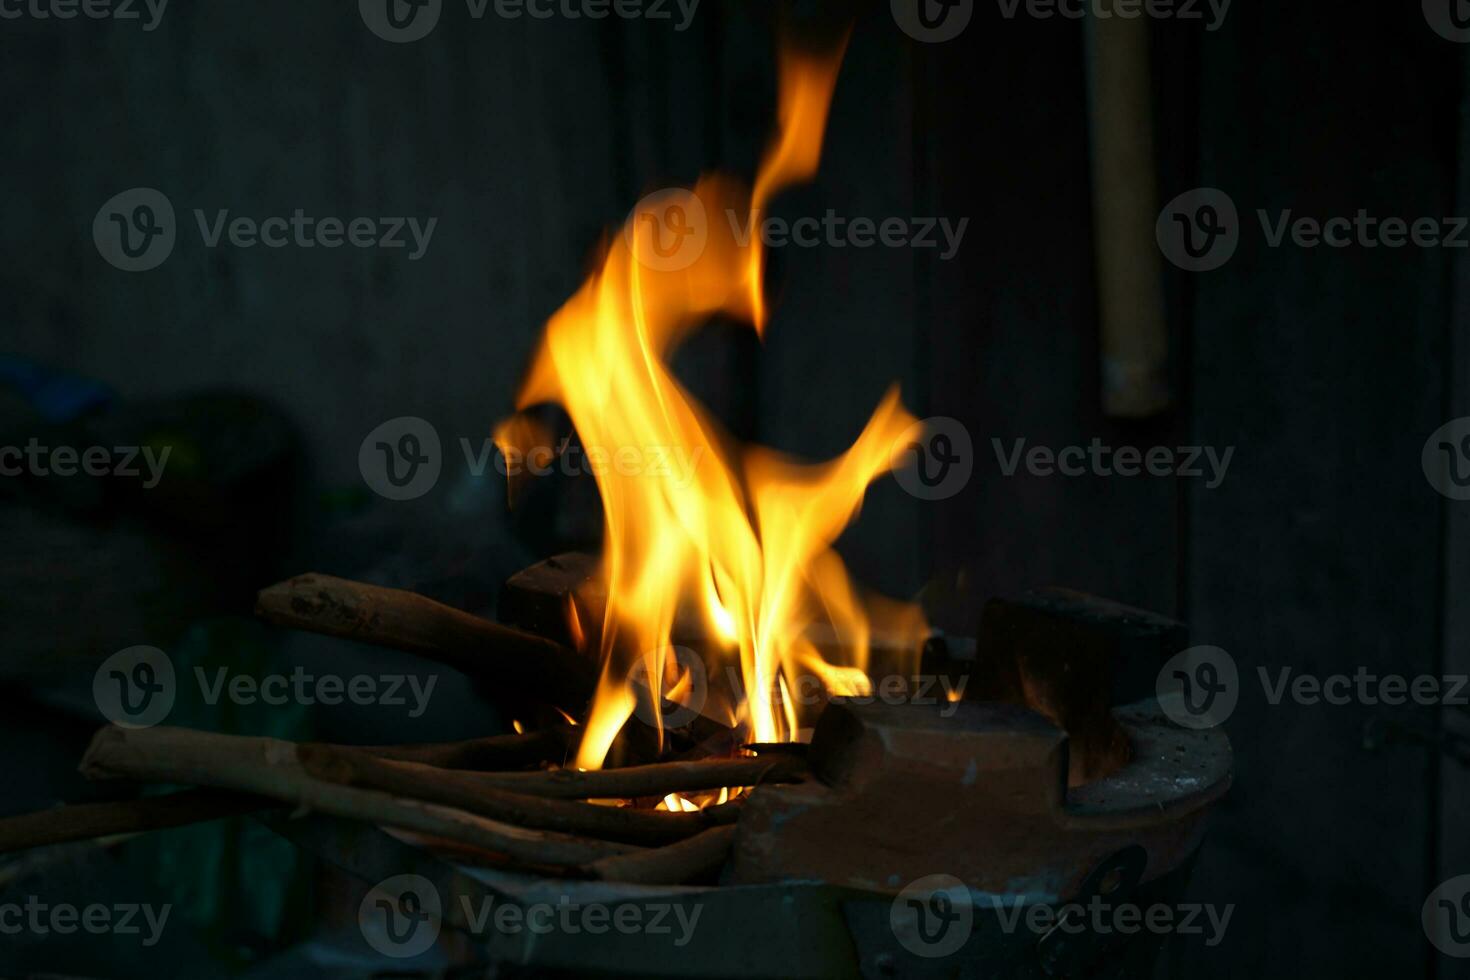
x,y
688,860
524,664
494,753
466,791
86,821
657,779
527,664
270,767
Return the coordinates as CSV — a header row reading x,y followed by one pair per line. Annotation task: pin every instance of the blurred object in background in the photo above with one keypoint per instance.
x,y
193,512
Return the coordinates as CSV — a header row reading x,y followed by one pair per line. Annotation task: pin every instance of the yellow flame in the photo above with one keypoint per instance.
x,y
806,95
743,534
677,804
839,680
574,624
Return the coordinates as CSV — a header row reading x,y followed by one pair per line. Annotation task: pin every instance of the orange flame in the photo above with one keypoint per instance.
x,y
743,535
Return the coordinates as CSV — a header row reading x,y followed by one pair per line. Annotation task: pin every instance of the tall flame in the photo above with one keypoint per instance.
x,y
742,534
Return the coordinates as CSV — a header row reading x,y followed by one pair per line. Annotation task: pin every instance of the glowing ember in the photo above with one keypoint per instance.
x,y
741,534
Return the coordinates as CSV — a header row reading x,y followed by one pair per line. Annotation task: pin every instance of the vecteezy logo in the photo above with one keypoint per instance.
x,y
400,21
1199,230
1449,18
401,458
933,916
932,20
934,459
1446,459
1199,687
667,230
134,688
401,916
683,694
1446,917
135,230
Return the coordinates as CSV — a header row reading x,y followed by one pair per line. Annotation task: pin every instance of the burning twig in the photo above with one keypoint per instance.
x,y
91,820
270,767
467,791
658,779
515,659
407,621
697,857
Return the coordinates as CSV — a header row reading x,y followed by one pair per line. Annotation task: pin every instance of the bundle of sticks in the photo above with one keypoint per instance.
x,y
501,798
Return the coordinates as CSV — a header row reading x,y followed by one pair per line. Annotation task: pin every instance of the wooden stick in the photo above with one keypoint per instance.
x,y
521,662
659,779
688,860
270,767
466,791
1131,315
86,821
493,753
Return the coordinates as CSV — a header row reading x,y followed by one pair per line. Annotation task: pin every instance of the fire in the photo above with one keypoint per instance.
x,y
742,534
678,803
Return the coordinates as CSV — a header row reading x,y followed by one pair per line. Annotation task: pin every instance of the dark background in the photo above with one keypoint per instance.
x,y
1324,549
